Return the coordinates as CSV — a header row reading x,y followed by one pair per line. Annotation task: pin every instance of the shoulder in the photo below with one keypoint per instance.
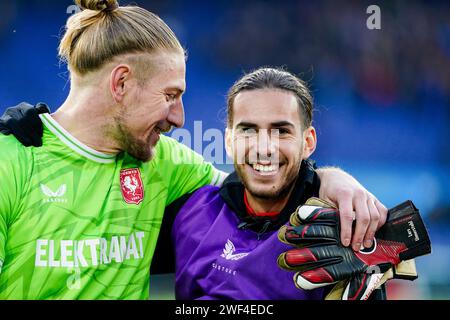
x,y
205,196
207,193
201,209
169,149
15,170
12,149
165,146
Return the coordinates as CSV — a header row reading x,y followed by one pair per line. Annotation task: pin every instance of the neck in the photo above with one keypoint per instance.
x,y
86,116
261,205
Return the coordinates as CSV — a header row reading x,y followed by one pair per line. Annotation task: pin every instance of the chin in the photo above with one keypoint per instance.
x,y
142,153
147,158
276,189
264,192
149,155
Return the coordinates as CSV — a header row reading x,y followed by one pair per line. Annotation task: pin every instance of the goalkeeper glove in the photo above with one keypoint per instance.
x,y
321,260
345,290
24,123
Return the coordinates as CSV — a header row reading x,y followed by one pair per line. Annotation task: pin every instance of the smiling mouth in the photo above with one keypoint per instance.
x,y
265,169
157,130
154,136
164,130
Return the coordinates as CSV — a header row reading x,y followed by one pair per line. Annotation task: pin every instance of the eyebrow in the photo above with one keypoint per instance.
x,y
246,124
282,124
177,89
276,124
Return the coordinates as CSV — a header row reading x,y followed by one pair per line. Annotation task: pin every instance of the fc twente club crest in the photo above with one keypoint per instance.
x,y
131,186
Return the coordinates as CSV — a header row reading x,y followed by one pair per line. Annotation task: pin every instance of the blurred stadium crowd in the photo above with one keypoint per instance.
x,y
382,96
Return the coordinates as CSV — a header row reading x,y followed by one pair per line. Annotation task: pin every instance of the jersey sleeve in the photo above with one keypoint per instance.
x,y
183,169
13,175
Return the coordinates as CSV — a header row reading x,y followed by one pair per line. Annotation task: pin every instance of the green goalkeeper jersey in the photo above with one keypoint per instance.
x,y
79,224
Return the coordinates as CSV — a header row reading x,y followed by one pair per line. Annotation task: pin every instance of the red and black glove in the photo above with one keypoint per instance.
x,y
320,259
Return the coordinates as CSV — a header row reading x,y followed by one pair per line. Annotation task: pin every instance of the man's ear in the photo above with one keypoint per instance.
x,y
309,142
119,79
229,142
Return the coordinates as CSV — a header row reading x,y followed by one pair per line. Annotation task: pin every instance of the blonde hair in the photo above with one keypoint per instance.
x,y
104,30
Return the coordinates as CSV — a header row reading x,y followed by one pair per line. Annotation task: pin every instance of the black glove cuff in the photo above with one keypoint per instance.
x,y
405,226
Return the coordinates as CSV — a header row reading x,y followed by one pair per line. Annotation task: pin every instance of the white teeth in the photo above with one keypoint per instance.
x,y
264,168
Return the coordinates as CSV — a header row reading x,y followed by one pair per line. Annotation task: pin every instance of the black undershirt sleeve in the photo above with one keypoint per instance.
x,y
164,256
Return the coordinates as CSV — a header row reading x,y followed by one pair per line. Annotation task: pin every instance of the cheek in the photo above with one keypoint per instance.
x,y
158,114
163,110
153,114
239,149
290,150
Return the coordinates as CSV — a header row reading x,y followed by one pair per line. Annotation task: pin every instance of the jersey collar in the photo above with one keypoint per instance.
x,y
73,142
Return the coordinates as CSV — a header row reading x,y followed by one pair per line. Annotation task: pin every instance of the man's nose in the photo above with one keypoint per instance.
x,y
176,114
266,143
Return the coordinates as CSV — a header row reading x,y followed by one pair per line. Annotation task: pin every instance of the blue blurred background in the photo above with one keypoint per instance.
x,y
382,96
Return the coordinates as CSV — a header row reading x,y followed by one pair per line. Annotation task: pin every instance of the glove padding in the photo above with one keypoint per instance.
x,y
320,259
405,270
24,123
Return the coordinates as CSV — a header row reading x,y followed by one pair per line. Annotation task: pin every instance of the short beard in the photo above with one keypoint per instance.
x,y
139,149
273,195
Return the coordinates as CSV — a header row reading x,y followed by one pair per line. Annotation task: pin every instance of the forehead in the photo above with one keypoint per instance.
x,y
265,106
168,70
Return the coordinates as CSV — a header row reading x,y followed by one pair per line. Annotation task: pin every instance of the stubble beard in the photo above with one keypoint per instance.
x,y
137,148
274,194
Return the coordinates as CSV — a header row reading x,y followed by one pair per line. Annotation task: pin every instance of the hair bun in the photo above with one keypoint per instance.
x,y
98,5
